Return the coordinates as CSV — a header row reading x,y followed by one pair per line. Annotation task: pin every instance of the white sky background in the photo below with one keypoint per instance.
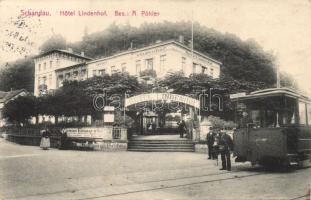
x,y
279,26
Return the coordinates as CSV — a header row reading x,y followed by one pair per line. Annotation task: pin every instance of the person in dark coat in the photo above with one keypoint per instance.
x,y
182,128
64,143
225,146
210,138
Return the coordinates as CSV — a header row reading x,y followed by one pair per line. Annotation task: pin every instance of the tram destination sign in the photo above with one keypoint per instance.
x,y
162,97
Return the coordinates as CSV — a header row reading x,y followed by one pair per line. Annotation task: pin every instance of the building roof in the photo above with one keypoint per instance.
x,y
64,52
6,96
272,92
71,66
208,57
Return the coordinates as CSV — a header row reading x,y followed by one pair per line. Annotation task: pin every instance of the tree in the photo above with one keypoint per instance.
x,y
115,84
288,81
18,75
54,42
20,110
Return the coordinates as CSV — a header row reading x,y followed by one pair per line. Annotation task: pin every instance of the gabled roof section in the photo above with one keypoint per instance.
x,y
69,53
208,57
7,96
71,66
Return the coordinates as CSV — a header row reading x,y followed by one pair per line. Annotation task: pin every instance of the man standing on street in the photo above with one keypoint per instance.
x,y
225,146
182,128
210,142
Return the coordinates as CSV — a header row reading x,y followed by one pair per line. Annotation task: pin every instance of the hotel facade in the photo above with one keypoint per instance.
x,y
52,68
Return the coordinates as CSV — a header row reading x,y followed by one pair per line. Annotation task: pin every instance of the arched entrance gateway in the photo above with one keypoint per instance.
x,y
158,114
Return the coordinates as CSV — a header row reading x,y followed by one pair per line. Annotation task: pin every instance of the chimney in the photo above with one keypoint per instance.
x,y
82,53
70,50
181,39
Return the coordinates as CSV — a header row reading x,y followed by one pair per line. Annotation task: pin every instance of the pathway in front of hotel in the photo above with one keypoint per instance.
x,y
30,173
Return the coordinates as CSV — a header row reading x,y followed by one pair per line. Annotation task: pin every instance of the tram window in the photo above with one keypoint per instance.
x,y
309,114
270,118
302,113
255,118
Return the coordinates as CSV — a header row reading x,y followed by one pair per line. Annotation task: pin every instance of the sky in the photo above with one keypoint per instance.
x,y
282,27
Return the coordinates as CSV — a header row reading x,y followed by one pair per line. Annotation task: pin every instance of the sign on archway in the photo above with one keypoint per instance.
x,y
162,97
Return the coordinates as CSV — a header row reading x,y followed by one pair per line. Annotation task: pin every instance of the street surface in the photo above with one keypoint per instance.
x,y
27,172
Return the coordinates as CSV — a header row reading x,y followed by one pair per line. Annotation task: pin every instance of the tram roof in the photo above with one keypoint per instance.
x,y
272,92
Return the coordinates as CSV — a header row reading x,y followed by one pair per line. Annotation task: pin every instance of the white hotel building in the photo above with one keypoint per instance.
x,y
53,67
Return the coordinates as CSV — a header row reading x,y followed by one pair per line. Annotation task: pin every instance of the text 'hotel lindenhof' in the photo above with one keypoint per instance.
x,y
53,67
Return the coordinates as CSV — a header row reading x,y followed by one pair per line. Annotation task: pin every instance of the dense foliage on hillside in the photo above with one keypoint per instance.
x,y
242,60
17,75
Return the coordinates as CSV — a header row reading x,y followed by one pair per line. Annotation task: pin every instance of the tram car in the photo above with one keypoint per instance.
x,y
274,126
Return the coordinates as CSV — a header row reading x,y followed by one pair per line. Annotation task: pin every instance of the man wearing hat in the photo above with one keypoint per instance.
x,y
225,146
210,138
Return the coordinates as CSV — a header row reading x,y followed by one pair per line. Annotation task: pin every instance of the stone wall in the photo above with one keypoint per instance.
x,y
32,137
111,146
31,140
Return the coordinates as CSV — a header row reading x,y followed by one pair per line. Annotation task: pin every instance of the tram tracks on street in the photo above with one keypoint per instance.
x,y
164,184
136,186
140,187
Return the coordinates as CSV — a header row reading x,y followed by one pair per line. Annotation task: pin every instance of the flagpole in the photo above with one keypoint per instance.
x,y
278,78
192,36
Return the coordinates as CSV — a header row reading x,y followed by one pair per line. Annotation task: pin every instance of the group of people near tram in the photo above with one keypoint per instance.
x,y
220,142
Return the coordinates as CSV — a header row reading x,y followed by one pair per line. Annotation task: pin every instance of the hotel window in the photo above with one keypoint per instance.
x,y
39,68
94,72
204,70
183,63
60,77
212,72
302,113
51,64
101,72
44,80
67,76
123,67
57,62
83,73
194,67
44,66
75,74
50,79
149,63
138,67
113,69
162,62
